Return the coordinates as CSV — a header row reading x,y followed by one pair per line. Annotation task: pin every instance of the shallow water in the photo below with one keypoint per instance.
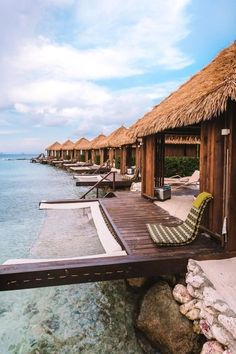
x,y
84,318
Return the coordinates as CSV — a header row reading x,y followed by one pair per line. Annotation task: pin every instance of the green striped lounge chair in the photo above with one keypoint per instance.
x,y
184,233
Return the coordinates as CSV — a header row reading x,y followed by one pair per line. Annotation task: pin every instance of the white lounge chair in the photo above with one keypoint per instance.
x,y
184,181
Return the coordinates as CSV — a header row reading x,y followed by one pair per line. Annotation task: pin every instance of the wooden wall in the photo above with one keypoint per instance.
x,y
218,172
189,150
148,165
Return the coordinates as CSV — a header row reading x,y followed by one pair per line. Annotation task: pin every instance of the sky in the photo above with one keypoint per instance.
x,y
78,68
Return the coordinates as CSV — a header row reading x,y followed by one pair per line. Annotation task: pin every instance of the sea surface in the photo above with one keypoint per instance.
x,y
81,318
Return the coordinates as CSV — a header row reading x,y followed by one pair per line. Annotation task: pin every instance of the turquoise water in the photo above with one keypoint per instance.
x,y
81,318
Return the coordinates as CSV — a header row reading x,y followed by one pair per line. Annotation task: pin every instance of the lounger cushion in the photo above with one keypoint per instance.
x,y
181,234
200,198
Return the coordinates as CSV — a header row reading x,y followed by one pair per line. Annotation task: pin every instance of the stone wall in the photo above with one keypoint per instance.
x,y
211,315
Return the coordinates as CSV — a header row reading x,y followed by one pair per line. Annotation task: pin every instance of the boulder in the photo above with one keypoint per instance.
x,y
212,347
167,329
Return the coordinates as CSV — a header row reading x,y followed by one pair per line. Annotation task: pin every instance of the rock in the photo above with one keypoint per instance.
x,y
193,267
220,334
136,282
181,294
190,290
193,314
163,324
205,328
195,280
229,323
212,347
185,308
196,327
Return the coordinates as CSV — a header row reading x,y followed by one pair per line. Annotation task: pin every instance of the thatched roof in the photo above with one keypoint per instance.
x,y
81,144
126,138
190,140
68,145
54,147
201,98
96,141
113,140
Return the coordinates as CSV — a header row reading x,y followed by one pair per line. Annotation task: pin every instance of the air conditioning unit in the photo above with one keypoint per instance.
x,y
163,193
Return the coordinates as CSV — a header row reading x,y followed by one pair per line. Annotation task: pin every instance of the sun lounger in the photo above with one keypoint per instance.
x,y
184,181
86,178
184,233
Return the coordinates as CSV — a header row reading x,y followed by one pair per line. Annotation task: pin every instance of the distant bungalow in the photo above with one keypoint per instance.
x,y
67,149
54,151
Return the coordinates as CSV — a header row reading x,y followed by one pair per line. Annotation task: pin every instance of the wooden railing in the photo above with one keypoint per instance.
x,y
97,184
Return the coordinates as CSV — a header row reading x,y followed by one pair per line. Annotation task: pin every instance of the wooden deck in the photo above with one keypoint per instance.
x,y
120,183
128,215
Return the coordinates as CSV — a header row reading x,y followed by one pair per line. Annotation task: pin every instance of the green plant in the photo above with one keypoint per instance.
x,y
82,158
117,162
97,159
183,166
133,161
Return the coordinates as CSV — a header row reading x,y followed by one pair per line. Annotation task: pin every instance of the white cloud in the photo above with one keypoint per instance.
x,y
11,131
52,76
109,109
58,91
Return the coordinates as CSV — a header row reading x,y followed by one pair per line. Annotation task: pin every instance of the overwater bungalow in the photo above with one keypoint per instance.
x,y
54,151
204,105
109,147
67,150
80,150
94,148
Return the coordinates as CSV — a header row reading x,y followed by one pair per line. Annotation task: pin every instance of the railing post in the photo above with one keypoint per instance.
x,y
114,182
96,185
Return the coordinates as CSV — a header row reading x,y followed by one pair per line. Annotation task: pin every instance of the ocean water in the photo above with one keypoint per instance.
x,y
81,318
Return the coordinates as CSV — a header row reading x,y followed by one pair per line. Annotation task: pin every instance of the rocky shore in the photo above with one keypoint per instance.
x,y
183,314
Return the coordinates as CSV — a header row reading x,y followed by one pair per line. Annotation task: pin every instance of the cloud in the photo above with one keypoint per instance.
x,y
62,60
12,131
87,116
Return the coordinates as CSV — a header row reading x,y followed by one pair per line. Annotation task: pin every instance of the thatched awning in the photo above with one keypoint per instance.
x,y
81,144
54,147
189,140
96,141
201,98
68,145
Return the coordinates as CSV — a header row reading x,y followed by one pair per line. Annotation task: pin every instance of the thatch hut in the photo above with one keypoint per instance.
x,y
94,148
129,152
109,147
67,149
54,151
205,105
80,149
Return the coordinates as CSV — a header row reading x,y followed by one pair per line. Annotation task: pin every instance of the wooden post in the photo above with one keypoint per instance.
x,y
101,152
231,190
212,166
148,169
123,160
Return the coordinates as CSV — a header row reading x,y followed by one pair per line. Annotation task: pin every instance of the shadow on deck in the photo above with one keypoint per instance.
x,y
127,214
